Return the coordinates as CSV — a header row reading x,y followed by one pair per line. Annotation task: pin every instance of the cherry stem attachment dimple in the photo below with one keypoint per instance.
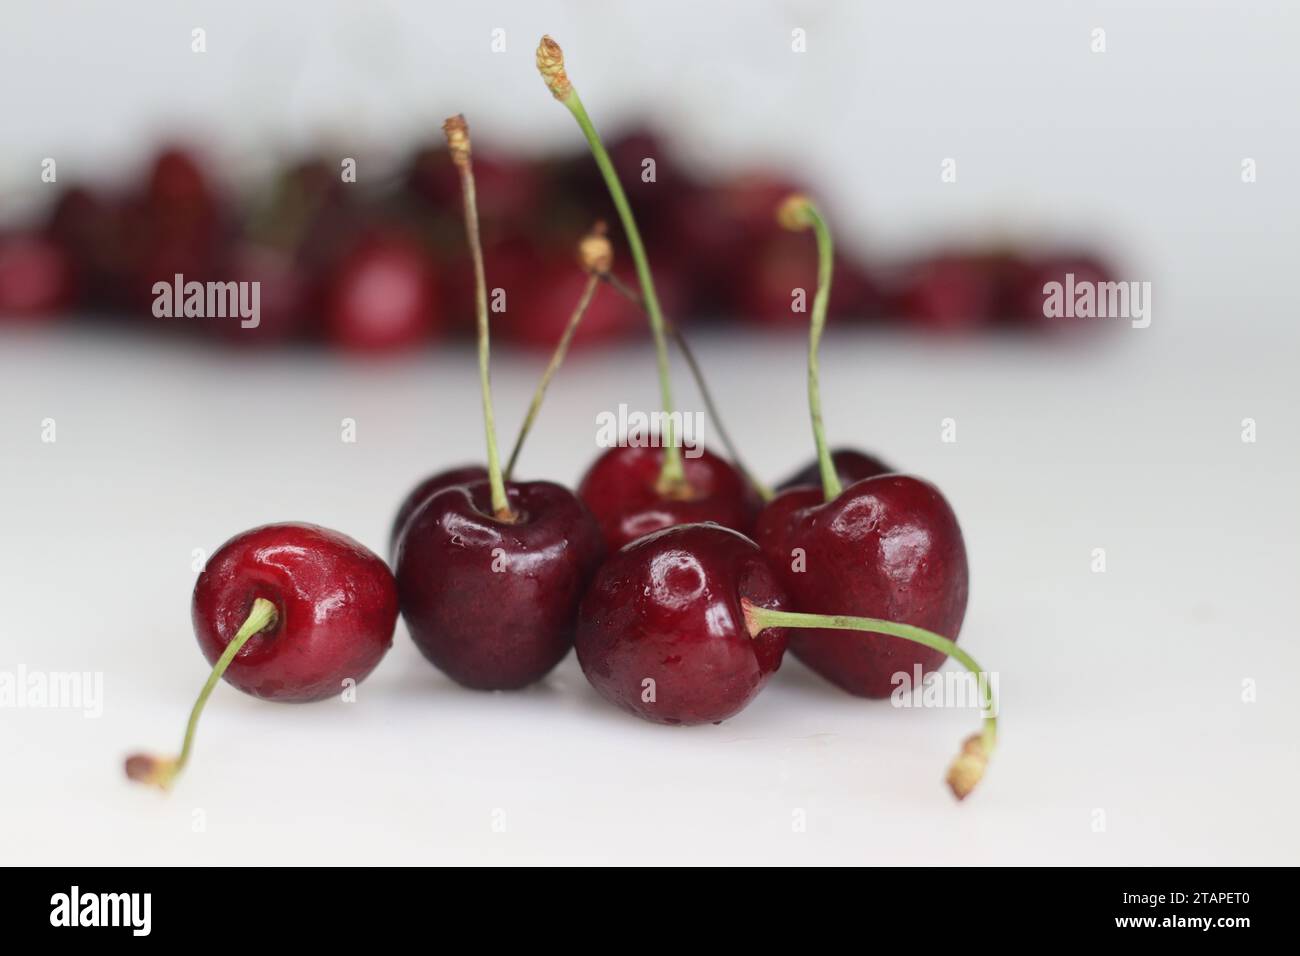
x,y
798,213
162,771
457,132
550,63
557,359
697,373
968,767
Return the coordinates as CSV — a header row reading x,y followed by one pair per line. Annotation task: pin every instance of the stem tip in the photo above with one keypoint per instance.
x,y
550,63
795,213
967,769
457,132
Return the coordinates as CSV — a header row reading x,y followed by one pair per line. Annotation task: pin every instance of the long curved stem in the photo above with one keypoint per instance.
x,y
697,373
557,359
550,59
458,140
968,768
162,771
825,267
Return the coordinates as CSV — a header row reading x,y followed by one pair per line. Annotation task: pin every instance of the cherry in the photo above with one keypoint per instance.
x,y
1028,297
622,488
286,295
36,277
661,632
850,465
490,573
627,500
537,315
886,547
426,489
774,268
958,291
491,601
883,547
285,612
384,296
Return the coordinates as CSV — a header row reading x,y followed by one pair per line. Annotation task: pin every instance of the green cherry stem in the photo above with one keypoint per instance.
x,y
550,63
697,373
557,359
967,769
798,213
457,132
161,772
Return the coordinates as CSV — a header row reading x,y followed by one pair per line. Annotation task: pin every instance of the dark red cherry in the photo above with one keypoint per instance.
x,y
36,277
952,292
336,607
493,603
661,633
851,465
775,268
384,296
621,489
426,489
1029,298
887,547
286,294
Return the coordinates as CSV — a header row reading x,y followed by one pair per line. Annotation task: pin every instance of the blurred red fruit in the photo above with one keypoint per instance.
x,y
1028,298
765,290
952,292
35,277
383,297
285,296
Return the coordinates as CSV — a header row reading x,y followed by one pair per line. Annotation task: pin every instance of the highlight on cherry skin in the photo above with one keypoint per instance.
x,y
284,612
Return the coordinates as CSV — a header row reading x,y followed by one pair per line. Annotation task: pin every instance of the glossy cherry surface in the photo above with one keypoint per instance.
x,y
621,489
886,547
661,633
850,464
426,489
493,603
336,607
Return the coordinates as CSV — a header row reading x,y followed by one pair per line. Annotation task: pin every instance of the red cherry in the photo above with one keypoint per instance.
x,y
383,297
285,297
336,607
886,547
538,313
784,262
492,603
951,292
1028,296
285,612
661,633
621,489
36,277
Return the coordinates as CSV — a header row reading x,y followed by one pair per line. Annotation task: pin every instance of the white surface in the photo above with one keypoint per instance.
x,y
1121,692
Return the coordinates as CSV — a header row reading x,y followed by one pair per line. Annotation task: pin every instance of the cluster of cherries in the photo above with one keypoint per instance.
x,y
680,581
376,265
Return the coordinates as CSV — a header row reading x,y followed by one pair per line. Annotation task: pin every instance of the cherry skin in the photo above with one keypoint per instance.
x,y
426,489
886,547
621,489
492,603
667,608
336,607
850,464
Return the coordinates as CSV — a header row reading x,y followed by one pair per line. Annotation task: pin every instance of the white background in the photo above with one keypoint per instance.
x,y
1121,692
